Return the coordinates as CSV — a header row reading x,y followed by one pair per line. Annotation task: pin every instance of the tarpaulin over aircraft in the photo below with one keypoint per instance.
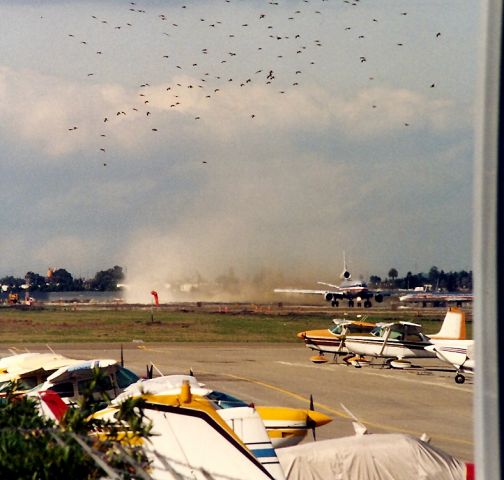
x,y
371,457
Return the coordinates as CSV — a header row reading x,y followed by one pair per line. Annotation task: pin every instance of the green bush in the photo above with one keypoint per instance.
x,y
34,447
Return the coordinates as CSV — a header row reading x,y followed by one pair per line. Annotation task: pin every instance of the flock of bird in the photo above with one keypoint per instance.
x,y
273,45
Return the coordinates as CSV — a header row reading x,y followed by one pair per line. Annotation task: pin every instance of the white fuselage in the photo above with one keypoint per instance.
x,y
374,347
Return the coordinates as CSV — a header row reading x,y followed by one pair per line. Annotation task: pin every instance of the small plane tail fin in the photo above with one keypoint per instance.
x,y
453,327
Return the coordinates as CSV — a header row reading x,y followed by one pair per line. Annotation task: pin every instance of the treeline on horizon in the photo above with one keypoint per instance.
x,y
61,280
437,279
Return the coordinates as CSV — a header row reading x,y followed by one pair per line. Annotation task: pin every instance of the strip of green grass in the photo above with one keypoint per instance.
x,y
53,326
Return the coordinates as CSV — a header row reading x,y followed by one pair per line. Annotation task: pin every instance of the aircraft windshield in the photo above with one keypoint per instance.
x,y
353,328
414,334
377,332
223,400
337,329
4,386
125,377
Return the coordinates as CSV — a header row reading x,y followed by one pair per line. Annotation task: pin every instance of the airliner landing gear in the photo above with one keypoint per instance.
x,y
367,304
335,303
350,303
459,378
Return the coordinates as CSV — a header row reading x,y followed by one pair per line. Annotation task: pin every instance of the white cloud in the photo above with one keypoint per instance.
x,y
40,110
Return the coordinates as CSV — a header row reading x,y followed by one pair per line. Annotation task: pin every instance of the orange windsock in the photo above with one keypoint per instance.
x,y
156,299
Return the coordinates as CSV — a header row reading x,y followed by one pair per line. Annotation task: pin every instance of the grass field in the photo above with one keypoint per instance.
x,y
126,325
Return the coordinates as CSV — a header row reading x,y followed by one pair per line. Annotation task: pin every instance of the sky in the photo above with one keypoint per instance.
x,y
189,140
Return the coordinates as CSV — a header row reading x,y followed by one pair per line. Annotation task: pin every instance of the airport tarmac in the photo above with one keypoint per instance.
x,y
416,401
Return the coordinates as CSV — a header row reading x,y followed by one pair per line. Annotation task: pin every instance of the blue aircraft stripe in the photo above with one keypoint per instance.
x,y
264,452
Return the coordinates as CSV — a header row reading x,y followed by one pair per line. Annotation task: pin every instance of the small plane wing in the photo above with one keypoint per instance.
x,y
434,349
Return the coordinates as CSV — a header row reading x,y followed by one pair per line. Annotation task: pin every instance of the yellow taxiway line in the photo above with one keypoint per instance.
x,y
381,426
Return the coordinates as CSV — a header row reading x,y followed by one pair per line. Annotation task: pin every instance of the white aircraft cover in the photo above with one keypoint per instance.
x,y
389,456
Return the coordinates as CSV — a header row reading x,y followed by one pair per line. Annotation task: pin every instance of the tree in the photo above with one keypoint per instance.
x,y
62,280
12,282
375,280
393,274
107,280
434,276
35,281
33,446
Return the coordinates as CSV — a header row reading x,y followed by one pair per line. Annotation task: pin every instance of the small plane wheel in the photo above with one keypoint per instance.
x,y
367,304
459,378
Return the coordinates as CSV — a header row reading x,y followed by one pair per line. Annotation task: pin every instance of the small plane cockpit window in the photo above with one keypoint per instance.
x,y
27,383
377,332
396,332
64,390
353,328
102,385
337,329
223,400
4,386
126,377
413,334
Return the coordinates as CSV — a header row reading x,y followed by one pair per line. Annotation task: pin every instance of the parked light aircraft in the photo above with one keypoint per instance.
x,y
399,340
189,439
348,289
70,382
332,340
285,426
377,456
30,369
459,353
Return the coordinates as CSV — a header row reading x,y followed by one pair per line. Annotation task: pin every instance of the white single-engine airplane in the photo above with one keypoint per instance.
x,y
332,340
348,289
400,340
459,353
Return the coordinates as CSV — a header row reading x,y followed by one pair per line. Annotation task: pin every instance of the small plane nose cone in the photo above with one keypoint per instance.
x,y
317,419
301,335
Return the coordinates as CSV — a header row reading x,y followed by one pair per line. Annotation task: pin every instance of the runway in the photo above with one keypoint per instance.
x,y
416,401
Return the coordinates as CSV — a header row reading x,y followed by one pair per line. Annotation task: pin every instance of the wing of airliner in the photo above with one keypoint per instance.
x,y
302,291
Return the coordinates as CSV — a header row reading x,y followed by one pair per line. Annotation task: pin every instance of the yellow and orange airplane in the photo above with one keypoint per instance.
x,y
332,340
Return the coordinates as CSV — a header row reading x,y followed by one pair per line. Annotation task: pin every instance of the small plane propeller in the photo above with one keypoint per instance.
x,y
309,422
191,373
